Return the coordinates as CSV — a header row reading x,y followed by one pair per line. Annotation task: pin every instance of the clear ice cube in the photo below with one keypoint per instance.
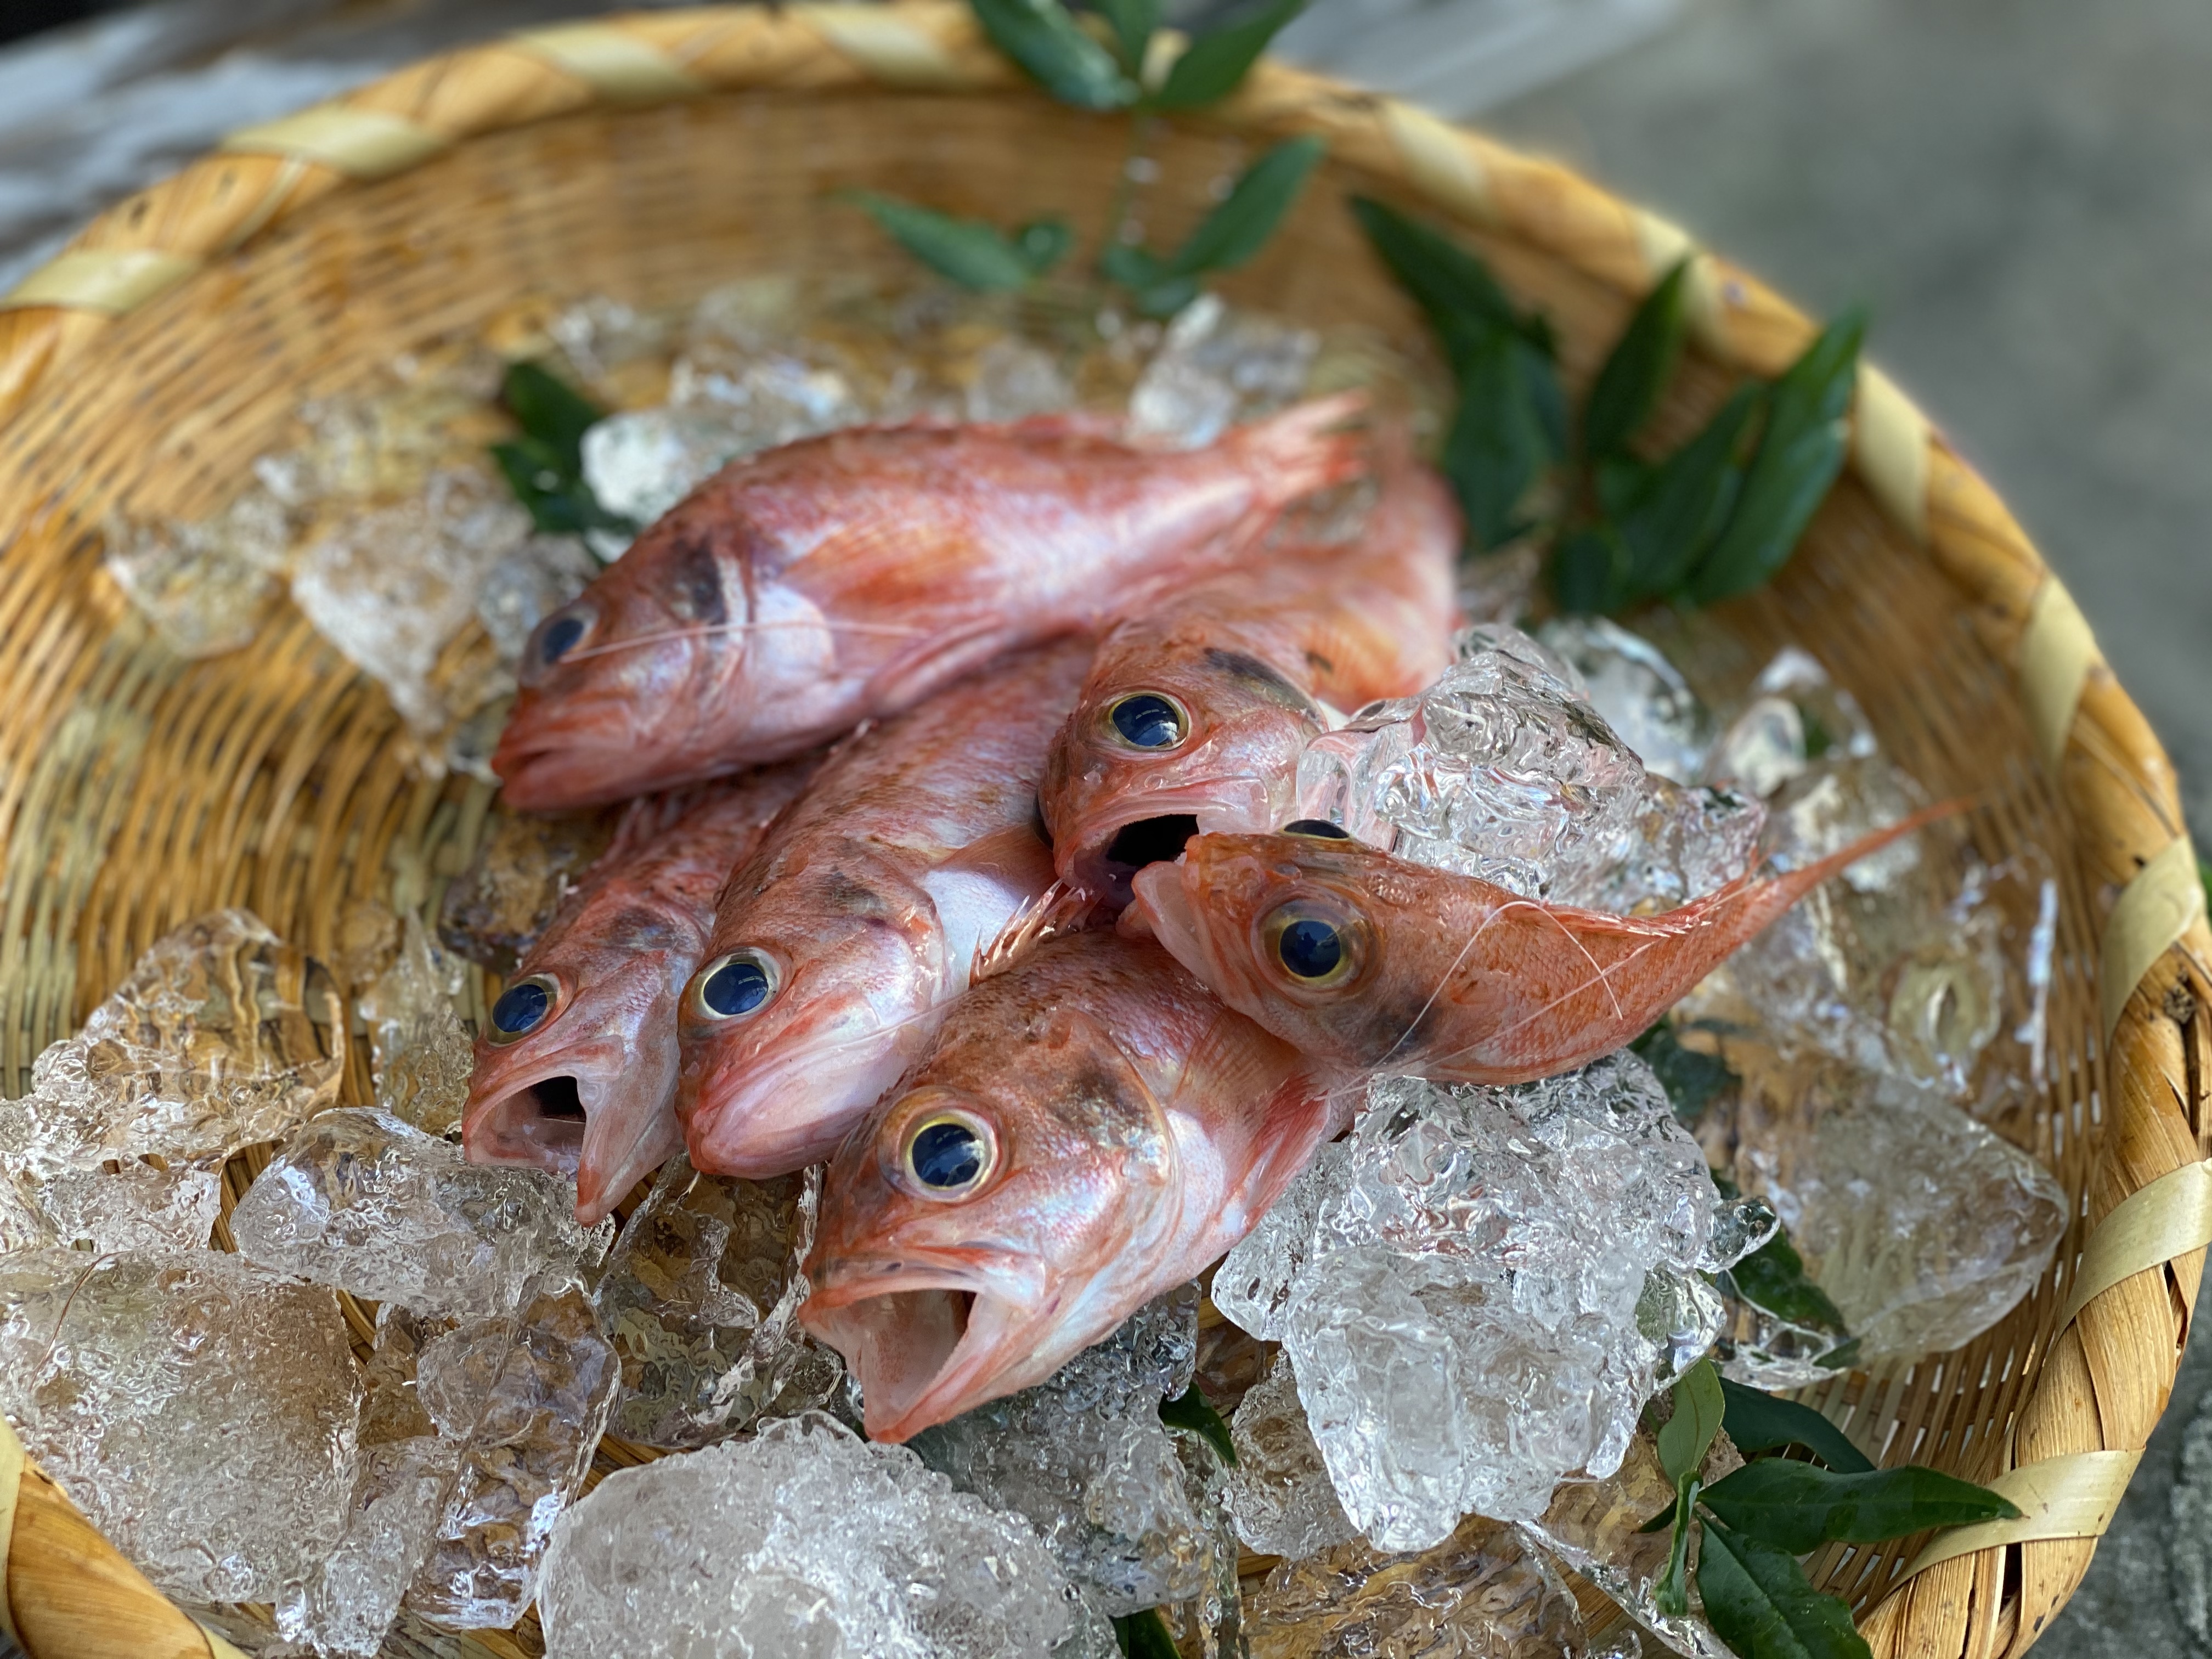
x,y
200,1410
527,586
220,1035
699,1297
1016,378
424,1055
134,1208
1279,1493
1216,367
205,585
363,1202
805,1541
1641,695
643,463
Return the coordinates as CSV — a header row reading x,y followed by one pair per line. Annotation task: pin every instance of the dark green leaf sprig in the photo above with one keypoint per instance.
x,y
1106,68
545,466
1754,1523
1718,517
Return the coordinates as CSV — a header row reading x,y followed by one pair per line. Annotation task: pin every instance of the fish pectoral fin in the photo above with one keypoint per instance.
x,y
913,674
1302,1112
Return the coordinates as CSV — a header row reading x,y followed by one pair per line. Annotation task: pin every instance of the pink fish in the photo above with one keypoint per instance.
x,y
838,943
1089,1128
1371,963
575,1070
848,577
1195,712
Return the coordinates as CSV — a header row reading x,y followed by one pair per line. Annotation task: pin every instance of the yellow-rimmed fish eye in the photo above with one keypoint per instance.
x,y
1314,944
1150,720
733,985
524,1007
949,1154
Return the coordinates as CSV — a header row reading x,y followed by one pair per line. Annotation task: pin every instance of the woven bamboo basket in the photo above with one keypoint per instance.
x,y
650,157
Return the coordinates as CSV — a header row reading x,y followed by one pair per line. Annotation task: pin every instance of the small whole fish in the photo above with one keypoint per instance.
x,y
1195,712
1089,1127
1371,963
575,1070
863,912
848,576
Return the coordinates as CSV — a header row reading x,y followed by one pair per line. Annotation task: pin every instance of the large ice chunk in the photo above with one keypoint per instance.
x,y
1217,366
361,1201
1641,695
221,1036
136,1207
805,1541
1279,1493
199,1410
424,1055
204,585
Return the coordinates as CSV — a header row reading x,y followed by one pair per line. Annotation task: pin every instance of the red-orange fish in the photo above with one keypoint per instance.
x,y
861,914
845,577
1368,962
1089,1128
575,1070
1195,712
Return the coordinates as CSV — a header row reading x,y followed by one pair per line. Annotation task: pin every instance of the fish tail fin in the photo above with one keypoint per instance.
x,y
1305,448
1765,900
1060,909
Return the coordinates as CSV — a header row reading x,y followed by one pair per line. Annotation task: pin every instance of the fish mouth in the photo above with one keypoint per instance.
x,y
1110,852
576,1121
925,1341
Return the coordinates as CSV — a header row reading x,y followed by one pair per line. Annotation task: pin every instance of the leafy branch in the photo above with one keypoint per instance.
x,y
545,466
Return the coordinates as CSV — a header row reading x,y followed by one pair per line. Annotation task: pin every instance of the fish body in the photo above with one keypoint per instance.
x,y
848,576
1111,1129
586,1089
862,912
1196,712
1369,962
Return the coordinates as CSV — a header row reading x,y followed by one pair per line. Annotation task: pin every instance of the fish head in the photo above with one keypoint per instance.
x,y
1188,738
805,1011
1301,933
575,1068
977,1227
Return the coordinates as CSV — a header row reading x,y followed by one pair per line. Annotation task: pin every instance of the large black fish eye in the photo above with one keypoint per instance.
x,y
522,1008
948,1155
734,984
1314,944
1311,948
561,635
1145,719
1319,829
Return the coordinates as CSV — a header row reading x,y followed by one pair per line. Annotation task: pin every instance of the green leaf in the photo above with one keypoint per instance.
x,y
1213,64
1456,292
1044,39
1589,571
1191,1410
1693,1078
2204,875
1773,1277
551,412
1043,243
1501,438
1671,1593
965,251
1133,22
1240,226
1760,1604
1800,1506
1799,455
1685,1437
1674,519
1628,387
1142,1636
1759,1422
558,501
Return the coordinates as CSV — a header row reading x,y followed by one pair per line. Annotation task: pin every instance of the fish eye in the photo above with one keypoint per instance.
x,y
522,1008
560,635
949,1154
733,985
1145,719
1315,945
1319,829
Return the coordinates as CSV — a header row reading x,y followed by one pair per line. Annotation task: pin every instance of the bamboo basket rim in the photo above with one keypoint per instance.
x,y
2100,1376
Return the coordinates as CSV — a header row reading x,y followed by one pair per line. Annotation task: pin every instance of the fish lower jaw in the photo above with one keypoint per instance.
x,y
923,1346
1112,852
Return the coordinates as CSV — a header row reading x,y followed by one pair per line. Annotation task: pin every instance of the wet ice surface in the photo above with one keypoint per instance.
x,y
1217,366
1496,1282
424,1055
805,1542
220,1035
363,1202
204,585
134,1208
1280,1495
699,1297
199,1410
494,911
1637,691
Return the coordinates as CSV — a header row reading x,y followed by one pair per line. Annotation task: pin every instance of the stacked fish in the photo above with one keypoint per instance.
x,y
1038,954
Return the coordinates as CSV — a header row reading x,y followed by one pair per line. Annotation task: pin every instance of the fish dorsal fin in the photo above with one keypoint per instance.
x,y
1059,909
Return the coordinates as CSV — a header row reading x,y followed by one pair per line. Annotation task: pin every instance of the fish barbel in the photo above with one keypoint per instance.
x,y
848,576
1089,1128
861,914
575,1070
1369,962
1195,712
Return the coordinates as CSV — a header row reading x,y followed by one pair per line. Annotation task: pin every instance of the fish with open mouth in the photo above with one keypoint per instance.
x,y
1367,961
575,1069
1195,712
863,912
848,576
1090,1128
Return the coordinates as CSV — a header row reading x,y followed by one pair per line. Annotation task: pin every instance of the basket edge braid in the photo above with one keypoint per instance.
x,y
2102,1379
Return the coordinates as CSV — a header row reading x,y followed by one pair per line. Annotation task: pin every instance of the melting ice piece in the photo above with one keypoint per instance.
x,y
1797,716
1252,1287
200,1410
1085,1458
1279,1490
527,1396
1014,378
699,1296
221,1036
1499,1280
137,1207
805,1540
424,1053
204,585
494,911
528,585
1482,1594
361,1201
1641,695
1215,367
643,463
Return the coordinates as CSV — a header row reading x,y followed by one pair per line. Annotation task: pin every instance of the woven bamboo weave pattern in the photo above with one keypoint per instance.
x,y
651,157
